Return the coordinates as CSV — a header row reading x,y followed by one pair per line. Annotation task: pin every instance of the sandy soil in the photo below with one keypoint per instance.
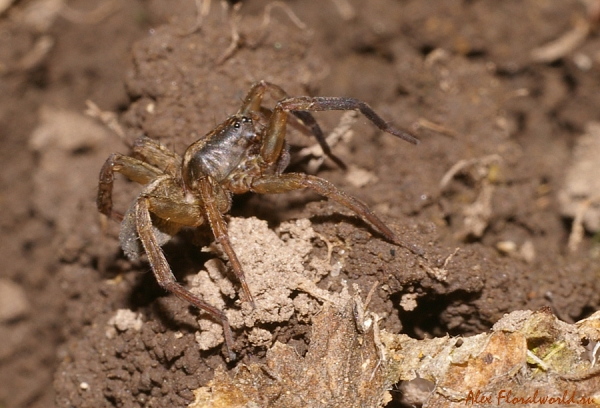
x,y
505,114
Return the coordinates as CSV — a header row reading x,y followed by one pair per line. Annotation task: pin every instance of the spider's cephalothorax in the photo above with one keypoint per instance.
x,y
247,152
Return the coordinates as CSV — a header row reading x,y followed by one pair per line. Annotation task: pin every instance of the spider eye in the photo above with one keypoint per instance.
x,y
246,119
236,124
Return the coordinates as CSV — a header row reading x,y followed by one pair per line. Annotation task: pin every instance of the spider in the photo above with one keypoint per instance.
x,y
247,152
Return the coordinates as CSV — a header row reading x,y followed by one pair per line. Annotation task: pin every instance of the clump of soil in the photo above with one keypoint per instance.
x,y
497,112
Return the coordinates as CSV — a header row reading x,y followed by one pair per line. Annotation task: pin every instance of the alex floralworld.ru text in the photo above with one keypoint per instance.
x,y
507,397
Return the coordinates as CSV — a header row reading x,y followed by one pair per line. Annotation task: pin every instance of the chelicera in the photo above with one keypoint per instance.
x,y
247,152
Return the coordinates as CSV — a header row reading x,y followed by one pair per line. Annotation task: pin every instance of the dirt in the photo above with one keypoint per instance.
x,y
498,115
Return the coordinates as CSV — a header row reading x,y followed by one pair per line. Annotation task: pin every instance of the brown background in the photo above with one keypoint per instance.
x,y
466,66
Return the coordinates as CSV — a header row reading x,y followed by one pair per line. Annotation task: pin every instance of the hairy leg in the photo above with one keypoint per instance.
x,y
275,134
134,169
219,229
320,103
165,277
271,184
154,153
253,101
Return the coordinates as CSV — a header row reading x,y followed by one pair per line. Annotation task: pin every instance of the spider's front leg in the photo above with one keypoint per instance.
x,y
275,135
210,193
273,184
164,275
321,103
253,101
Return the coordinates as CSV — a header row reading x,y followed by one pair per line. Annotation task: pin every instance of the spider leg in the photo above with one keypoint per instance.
x,y
219,229
164,275
272,184
156,154
309,120
253,101
134,169
320,103
275,134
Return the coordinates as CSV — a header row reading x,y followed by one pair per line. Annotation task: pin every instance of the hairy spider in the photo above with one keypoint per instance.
x,y
247,152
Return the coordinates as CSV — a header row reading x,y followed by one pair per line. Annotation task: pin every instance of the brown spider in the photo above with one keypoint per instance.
x,y
247,152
